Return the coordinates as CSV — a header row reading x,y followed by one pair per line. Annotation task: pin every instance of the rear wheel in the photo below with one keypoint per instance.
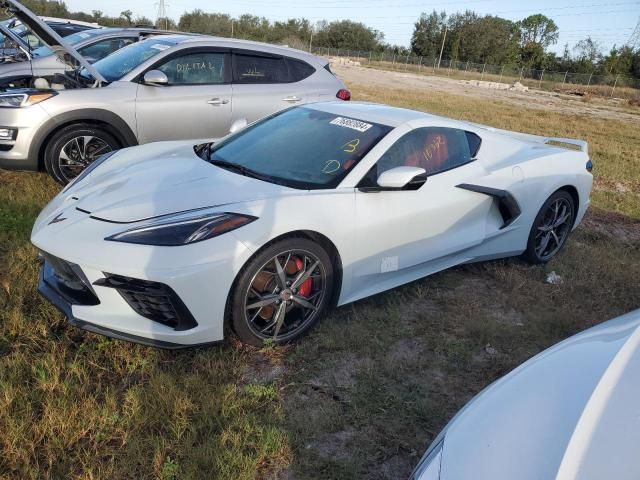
x,y
551,228
73,148
282,292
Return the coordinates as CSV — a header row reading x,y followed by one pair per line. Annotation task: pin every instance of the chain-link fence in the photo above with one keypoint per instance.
x,y
618,86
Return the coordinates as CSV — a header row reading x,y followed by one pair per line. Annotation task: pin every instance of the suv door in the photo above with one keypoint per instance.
x,y
264,83
196,103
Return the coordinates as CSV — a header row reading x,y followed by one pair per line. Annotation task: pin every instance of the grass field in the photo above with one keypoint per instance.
x,y
360,397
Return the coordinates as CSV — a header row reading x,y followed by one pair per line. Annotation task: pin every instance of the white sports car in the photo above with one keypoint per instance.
x,y
570,413
318,205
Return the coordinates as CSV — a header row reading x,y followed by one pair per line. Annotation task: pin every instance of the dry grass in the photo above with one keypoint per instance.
x,y
358,398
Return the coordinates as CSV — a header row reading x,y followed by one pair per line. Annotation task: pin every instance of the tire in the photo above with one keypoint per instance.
x,y
259,283
546,240
92,142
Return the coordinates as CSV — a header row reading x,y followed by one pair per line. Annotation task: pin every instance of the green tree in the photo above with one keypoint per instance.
x,y
428,33
128,15
346,34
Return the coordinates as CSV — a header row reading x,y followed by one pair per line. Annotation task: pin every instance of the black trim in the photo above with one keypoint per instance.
x,y
64,306
153,300
507,204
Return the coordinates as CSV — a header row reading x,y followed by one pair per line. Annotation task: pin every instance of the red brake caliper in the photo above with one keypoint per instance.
x,y
307,285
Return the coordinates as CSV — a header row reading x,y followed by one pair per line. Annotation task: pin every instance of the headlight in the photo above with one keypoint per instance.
x,y
183,228
88,169
429,466
17,100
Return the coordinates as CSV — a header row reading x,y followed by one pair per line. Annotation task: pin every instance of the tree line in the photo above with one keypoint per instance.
x,y
462,36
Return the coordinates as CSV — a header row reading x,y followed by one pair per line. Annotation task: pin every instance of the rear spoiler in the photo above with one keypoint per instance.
x,y
569,143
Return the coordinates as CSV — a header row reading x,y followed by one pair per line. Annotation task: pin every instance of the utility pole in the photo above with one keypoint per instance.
x,y
162,13
442,48
232,21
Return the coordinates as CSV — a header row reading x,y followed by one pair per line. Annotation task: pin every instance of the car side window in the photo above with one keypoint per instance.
x,y
435,149
299,70
260,69
101,49
205,68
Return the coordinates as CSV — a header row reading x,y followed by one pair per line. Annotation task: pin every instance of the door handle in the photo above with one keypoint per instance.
x,y
218,101
292,99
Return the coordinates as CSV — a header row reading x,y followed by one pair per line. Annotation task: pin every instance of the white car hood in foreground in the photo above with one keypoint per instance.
x,y
572,412
156,179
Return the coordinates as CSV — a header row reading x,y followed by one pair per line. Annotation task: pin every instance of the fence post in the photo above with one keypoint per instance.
x,y
420,64
614,85
370,56
394,60
406,64
434,65
483,67
338,54
466,68
565,78
521,70
501,72
540,82
589,82
449,69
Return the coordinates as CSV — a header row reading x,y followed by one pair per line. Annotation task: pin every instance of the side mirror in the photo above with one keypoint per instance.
x,y
238,125
402,178
155,78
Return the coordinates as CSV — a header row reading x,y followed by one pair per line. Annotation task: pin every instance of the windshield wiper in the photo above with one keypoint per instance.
x,y
241,169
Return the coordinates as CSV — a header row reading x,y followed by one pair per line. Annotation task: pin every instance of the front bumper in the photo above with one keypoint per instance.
x,y
50,289
18,154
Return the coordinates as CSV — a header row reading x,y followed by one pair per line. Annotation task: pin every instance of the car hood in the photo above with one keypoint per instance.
x,y
65,52
572,412
161,178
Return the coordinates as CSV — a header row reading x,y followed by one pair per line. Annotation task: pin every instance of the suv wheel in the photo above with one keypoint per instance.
x,y
73,148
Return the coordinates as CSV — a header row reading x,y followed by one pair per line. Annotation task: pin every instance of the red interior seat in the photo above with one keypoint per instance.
x,y
433,156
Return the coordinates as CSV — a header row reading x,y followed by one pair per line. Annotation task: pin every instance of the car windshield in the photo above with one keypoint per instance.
x,y
301,148
74,39
121,62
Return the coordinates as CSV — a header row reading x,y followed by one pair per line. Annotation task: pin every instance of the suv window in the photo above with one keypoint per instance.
x,y
435,149
299,70
101,49
206,68
260,69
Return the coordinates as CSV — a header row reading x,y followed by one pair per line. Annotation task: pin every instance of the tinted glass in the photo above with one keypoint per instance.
x,y
435,149
117,65
474,143
196,68
101,49
71,39
302,147
255,69
299,70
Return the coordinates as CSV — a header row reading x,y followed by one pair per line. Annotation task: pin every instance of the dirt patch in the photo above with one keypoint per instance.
x,y
539,99
612,225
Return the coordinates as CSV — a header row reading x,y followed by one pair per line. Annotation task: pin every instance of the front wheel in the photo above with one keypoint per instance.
x,y
282,292
75,147
551,228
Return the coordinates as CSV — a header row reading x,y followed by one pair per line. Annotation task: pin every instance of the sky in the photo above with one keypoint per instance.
x,y
608,23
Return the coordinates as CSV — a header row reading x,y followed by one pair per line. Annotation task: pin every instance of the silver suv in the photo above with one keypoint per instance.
x,y
168,87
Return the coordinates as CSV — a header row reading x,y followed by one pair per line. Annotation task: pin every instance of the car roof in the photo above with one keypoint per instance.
x,y
239,43
373,112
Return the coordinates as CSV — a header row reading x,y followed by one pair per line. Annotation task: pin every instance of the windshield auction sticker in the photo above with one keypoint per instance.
x,y
351,123
160,46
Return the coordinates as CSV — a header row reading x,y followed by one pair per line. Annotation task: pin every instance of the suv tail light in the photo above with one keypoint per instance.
x,y
589,166
344,94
